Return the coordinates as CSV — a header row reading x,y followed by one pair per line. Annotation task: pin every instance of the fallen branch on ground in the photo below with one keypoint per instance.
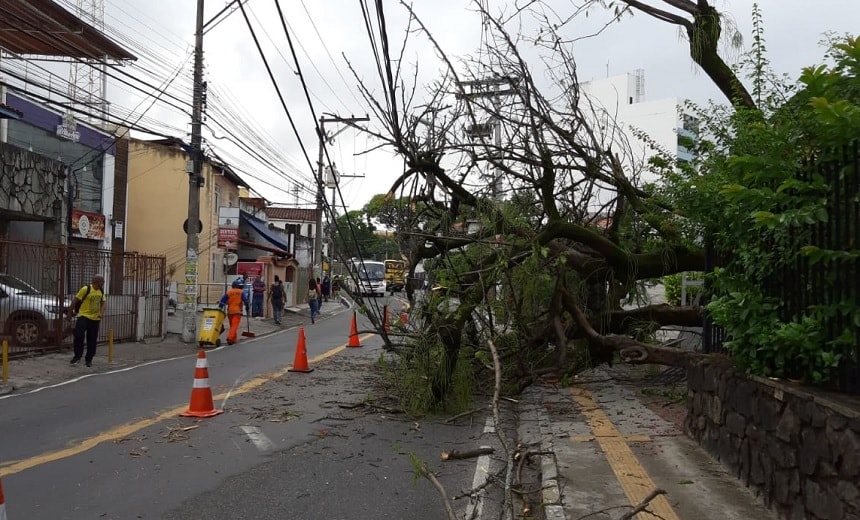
x,y
642,505
454,454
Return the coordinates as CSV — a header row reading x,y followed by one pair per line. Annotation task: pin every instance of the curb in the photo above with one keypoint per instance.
x,y
551,500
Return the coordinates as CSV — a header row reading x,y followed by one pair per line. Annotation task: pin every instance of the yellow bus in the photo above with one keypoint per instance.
x,y
395,275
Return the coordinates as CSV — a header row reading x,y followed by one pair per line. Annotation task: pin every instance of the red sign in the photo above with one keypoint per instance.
x,y
252,269
88,225
228,238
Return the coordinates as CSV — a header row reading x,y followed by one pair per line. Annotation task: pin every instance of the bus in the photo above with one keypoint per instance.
x,y
395,275
370,274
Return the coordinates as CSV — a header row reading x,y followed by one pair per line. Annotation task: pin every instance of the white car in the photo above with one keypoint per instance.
x,y
29,316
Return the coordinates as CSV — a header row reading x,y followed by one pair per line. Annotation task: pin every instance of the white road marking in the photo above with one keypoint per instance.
x,y
479,481
258,438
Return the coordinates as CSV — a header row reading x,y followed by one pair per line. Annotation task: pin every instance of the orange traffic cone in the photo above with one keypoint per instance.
x,y
201,395
404,316
386,323
300,362
2,502
353,333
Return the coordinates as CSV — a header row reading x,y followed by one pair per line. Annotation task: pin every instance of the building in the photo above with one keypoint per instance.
x,y
158,210
300,224
620,109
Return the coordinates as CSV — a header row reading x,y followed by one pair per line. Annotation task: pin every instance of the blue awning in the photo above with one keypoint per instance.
x,y
263,230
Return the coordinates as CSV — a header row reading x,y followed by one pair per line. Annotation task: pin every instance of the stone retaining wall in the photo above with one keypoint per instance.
x,y
799,450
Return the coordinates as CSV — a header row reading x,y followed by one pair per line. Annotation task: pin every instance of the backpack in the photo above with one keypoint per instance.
x,y
77,305
277,291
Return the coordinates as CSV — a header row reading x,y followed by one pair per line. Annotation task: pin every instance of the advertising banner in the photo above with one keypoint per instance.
x,y
88,225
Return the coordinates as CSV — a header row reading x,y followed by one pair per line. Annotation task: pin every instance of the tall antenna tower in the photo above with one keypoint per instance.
x,y
87,85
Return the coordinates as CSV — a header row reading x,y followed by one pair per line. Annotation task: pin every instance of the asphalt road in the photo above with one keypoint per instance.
x,y
325,444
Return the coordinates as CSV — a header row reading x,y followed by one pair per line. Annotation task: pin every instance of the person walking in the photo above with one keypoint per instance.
x,y
89,304
258,289
335,287
276,296
319,294
313,299
326,287
235,299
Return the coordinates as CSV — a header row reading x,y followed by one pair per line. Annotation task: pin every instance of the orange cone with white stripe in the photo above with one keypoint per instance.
x,y
300,362
201,395
2,502
353,333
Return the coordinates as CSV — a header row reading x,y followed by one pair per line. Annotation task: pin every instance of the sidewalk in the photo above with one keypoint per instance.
x,y
54,368
606,451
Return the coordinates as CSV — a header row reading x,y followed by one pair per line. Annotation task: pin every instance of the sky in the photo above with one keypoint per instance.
x,y
248,126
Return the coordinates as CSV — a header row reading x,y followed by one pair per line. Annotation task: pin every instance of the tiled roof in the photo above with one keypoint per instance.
x,y
294,214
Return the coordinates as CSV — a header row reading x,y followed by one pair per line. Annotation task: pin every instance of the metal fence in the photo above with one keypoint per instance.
x,y
38,283
805,284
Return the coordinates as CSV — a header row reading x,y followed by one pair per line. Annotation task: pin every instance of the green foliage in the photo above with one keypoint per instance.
x,y
413,377
355,236
744,192
672,286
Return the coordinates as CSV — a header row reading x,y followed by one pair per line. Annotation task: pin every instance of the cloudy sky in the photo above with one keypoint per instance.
x,y
248,126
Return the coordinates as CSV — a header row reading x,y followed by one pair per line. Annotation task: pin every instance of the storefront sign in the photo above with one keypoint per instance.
x,y
252,269
88,225
68,129
228,238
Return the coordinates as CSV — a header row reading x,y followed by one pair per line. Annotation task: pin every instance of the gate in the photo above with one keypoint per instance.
x,y
38,283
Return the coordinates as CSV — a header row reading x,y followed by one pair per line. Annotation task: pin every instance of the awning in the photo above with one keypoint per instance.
x,y
263,230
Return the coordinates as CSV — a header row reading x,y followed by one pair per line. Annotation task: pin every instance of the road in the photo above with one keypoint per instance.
x,y
289,445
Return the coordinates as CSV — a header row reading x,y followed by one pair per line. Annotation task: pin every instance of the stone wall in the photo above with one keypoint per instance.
x,y
31,186
798,449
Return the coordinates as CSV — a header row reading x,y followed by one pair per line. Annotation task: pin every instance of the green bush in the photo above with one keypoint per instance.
x,y
672,286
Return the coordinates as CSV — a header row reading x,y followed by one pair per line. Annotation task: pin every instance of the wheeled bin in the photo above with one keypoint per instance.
x,y
211,327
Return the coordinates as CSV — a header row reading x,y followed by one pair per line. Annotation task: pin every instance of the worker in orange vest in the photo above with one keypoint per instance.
x,y
235,299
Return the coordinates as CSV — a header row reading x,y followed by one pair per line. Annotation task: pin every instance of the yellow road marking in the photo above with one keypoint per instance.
x,y
125,430
627,438
634,480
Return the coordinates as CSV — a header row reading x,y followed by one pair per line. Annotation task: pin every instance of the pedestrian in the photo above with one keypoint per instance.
x,y
89,305
235,299
319,294
335,287
326,287
258,289
276,296
313,299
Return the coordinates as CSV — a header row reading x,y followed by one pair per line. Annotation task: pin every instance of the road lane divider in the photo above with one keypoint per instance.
x,y
258,438
634,479
126,430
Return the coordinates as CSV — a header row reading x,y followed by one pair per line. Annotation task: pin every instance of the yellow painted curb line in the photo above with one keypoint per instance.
x,y
125,430
634,480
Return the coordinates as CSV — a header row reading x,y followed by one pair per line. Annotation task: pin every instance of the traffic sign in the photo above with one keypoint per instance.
x,y
230,258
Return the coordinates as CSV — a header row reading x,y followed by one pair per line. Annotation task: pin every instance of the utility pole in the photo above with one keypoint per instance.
x,y
192,225
489,88
323,138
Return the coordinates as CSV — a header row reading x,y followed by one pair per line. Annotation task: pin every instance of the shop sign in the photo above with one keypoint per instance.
x,y
90,226
228,238
252,269
68,129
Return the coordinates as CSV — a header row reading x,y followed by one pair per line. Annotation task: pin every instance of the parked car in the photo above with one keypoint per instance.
x,y
29,316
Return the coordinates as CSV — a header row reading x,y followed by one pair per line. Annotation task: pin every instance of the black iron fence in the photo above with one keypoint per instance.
x,y
38,283
812,281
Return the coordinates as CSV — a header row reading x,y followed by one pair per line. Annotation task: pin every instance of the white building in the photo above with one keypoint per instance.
x,y
620,109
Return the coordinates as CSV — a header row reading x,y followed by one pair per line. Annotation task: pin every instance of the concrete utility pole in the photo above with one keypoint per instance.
x,y
323,138
192,225
489,88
